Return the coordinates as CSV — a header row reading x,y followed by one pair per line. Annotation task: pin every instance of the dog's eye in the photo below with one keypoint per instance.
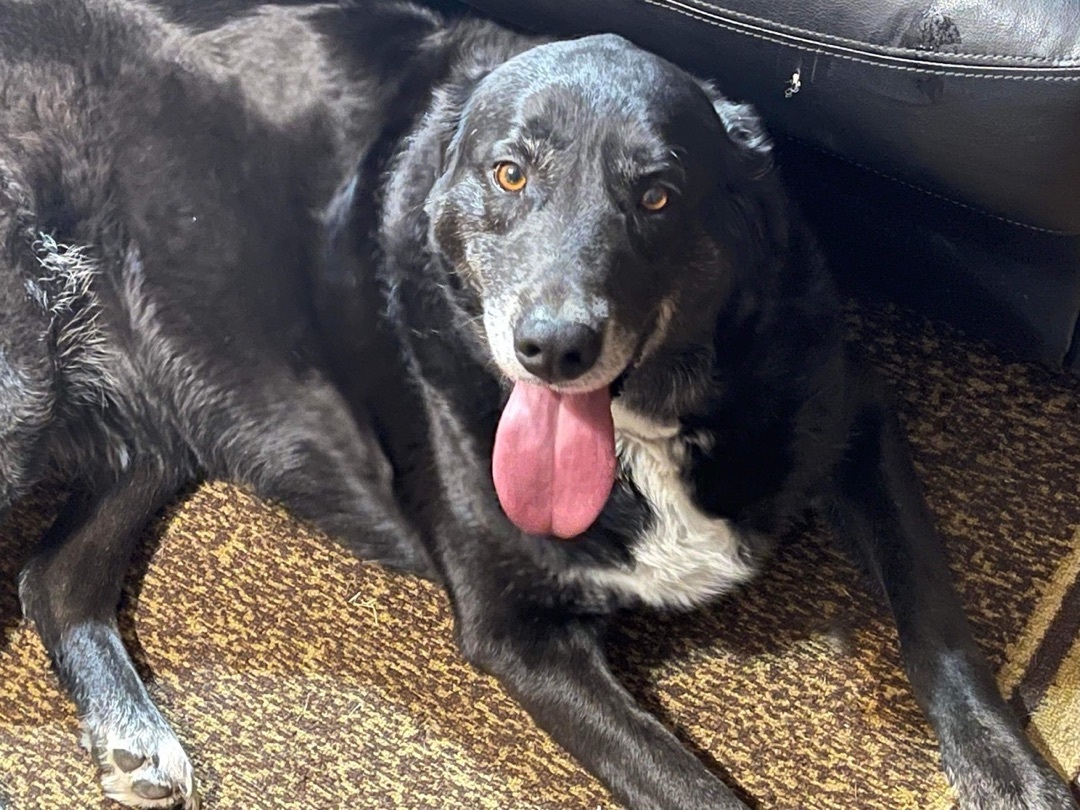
x,y
509,176
655,199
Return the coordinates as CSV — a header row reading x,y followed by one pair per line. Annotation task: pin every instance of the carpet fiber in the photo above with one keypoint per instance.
x,y
299,678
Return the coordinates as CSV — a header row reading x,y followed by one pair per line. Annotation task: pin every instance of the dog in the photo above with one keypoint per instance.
x,y
533,318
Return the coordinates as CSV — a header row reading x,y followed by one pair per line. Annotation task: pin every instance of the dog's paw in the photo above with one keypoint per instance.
x,y
144,767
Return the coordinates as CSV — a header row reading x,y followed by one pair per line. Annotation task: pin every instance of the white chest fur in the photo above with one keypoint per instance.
x,y
686,557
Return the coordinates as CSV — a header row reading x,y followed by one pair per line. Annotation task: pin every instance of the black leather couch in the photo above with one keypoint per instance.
x,y
936,146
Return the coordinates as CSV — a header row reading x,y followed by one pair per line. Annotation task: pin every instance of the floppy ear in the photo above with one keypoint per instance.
x,y
433,147
753,202
450,101
426,167
746,132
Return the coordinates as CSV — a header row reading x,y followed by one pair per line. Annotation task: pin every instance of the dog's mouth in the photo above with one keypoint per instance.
x,y
554,460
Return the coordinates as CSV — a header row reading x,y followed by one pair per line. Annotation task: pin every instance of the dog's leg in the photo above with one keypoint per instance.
x,y
554,666
880,512
70,590
311,455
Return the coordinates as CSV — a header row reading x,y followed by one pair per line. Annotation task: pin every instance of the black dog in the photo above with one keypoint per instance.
x,y
451,294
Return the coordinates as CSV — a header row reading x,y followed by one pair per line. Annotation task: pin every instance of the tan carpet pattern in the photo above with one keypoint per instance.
x,y
299,678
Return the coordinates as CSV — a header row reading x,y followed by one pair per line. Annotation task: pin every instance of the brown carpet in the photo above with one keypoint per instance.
x,y
300,678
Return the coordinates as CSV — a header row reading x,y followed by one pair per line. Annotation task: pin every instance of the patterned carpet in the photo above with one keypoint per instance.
x,y
299,678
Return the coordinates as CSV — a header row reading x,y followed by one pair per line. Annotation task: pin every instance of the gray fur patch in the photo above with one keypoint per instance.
x,y
64,289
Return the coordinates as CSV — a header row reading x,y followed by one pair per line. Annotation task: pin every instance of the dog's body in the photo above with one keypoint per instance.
x,y
283,247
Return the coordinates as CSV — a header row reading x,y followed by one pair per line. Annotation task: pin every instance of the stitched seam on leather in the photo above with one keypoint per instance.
x,y
974,209
823,48
1071,59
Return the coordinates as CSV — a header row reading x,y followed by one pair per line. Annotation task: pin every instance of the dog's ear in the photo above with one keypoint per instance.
x,y
433,149
444,117
745,130
753,204
477,58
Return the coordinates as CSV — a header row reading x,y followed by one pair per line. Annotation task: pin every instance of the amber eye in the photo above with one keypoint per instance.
x,y
655,199
509,176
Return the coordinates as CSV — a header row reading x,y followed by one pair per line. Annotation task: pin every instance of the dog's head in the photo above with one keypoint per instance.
x,y
595,207
587,196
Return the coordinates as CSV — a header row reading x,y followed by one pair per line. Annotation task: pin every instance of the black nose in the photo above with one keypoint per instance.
x,y
555,350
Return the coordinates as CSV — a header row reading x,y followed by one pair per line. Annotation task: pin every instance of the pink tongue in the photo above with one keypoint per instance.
x,y
554,460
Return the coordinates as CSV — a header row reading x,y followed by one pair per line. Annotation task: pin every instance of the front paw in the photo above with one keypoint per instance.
x,y
142,764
